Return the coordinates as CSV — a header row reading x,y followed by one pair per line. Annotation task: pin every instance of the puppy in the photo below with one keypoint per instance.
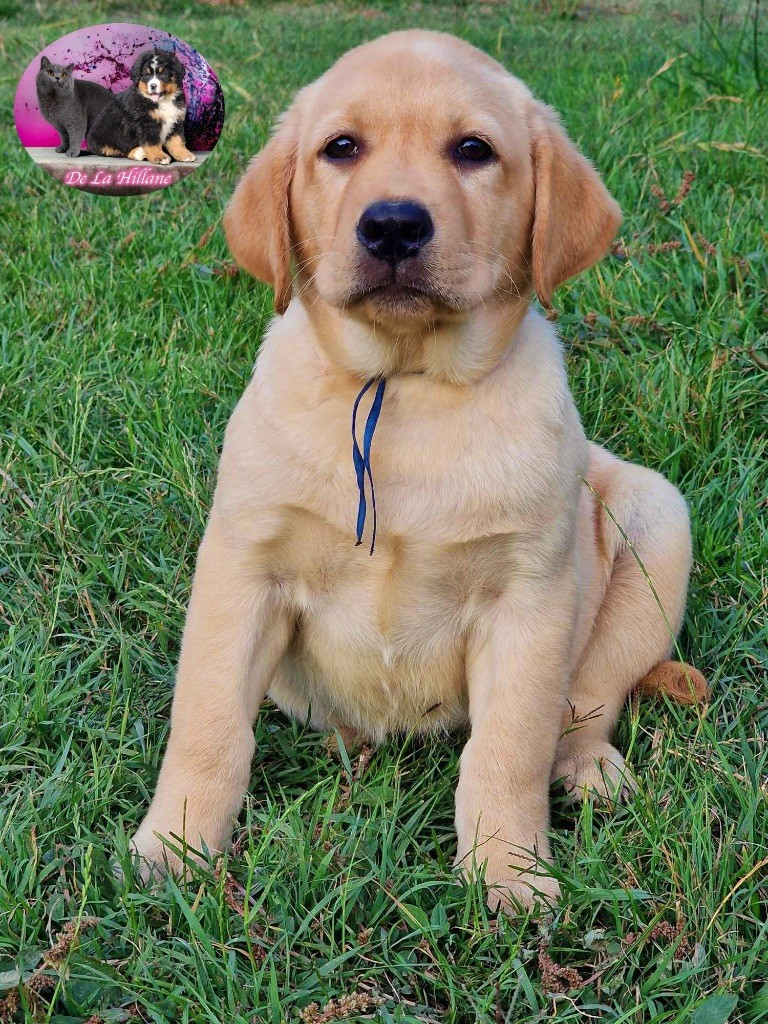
x,y
421,196
146,121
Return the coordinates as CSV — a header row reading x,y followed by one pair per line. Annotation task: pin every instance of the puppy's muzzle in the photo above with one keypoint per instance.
x,y
395,230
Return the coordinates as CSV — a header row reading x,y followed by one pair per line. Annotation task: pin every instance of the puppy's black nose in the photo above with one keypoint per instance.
x,y
394,230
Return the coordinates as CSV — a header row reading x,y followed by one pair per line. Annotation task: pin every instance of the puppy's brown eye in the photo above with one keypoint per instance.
x,y
474,149
341,148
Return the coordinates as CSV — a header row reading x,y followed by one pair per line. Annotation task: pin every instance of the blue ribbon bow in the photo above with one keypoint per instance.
x,y
362,459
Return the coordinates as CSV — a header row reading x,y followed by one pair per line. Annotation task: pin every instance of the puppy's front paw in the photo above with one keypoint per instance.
x,y
164,159
522,892
156,858
515,883
593,770
187,157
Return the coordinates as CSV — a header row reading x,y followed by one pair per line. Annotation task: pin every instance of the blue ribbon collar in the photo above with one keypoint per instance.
x,y
362,459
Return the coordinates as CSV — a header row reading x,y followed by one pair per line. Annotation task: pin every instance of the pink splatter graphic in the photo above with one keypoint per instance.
x,y
105,54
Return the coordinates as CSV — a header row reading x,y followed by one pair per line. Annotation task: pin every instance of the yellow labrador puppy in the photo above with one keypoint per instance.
x,y
407,207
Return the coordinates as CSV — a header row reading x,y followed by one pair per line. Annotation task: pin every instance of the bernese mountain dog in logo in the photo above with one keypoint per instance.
x,y
146,121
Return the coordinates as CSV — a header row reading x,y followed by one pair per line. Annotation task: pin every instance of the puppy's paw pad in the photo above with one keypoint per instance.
x,y
678,681
595,771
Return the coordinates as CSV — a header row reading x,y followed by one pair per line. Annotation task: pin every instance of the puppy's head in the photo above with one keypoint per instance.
x,y
418,181
157,73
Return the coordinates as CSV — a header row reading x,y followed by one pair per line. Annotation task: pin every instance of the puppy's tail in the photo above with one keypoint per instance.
x,y
676,680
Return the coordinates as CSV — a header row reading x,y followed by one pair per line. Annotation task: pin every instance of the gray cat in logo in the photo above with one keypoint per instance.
x,y
69,104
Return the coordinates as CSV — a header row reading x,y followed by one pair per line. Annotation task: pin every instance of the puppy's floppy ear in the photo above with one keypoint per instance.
x,y
136,69
575,217
257,221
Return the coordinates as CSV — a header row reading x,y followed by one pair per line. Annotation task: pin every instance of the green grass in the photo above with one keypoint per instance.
x,y
122,354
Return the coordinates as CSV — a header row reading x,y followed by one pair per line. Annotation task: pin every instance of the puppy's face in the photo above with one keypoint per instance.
x,y
157,74
413,189
417,181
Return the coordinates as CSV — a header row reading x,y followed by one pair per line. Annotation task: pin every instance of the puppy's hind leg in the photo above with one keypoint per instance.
x,y
99,148
635,628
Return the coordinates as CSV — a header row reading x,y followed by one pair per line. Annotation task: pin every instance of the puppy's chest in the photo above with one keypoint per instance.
x,y
442,481
168,115
454,501
389,628
396,589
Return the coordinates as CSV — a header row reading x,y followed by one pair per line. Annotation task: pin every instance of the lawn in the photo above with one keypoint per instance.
x,y
125,341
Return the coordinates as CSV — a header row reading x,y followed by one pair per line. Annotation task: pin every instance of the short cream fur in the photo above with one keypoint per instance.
x,y
501,598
